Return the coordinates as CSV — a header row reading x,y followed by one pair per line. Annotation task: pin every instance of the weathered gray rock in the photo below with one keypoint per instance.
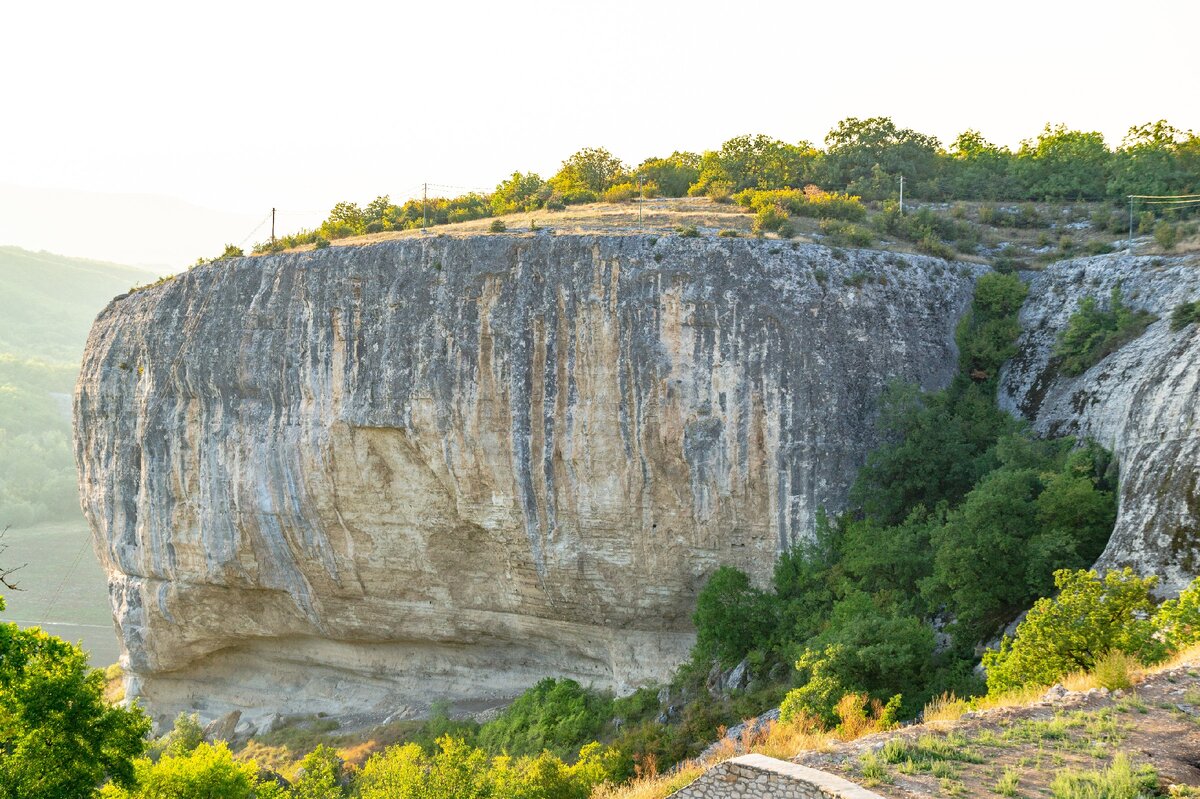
x,y
223,728
1142,402
447,467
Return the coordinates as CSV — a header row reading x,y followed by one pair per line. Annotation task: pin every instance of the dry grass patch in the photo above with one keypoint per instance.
x,y
944,708
655,786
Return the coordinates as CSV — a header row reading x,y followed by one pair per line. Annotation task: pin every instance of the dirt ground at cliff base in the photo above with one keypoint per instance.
x,y
1019,751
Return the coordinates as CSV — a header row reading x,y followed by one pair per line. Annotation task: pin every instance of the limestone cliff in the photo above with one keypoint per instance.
x,y
1142,402
446,467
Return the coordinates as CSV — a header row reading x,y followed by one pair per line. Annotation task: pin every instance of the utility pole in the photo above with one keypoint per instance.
x,y
1131,223
424,205
272,227
902,195
639,200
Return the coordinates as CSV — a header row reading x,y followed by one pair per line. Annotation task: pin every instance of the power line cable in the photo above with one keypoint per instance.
x,y
66,576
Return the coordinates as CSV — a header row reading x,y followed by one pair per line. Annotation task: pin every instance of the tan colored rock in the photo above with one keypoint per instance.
x,y
444,468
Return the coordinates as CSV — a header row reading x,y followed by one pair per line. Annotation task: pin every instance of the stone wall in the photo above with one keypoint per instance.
x,y
761,777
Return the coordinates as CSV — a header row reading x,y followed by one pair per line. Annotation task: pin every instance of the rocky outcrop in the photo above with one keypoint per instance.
x,y
443,468
1142,402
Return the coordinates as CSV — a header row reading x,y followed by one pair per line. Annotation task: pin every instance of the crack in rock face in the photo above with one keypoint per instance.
x,y
444,468
1142,402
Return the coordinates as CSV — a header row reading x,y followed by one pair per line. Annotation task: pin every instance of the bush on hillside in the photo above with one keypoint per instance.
x,y
620,193
458,770
1090,617
1093,333
555,715
209,770
773,219
1166,235
1185,314
987,334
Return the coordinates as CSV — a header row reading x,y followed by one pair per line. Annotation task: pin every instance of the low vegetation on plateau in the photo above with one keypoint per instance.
x,y
964,190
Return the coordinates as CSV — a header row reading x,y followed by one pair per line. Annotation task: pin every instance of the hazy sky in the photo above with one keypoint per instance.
x,y
237,107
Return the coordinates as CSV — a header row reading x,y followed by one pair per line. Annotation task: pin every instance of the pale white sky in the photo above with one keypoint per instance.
x,y
238,106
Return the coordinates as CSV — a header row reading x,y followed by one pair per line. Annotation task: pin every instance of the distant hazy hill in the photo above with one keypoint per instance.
x,y
47,304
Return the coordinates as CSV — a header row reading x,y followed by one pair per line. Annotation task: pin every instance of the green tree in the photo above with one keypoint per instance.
x,y
520,192
867,649
805,582
980,562
756,162
1091,616
1177,621
732,617
1093,332
58,738
868,156
978,169
672,175
1064,164
891,561
592,169
319,776
940,446
1152,160
185,735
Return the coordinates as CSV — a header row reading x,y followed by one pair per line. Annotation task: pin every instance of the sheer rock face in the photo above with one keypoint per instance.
x,y
1142,402
443,468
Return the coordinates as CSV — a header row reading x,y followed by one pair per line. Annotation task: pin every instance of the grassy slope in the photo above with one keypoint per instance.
x,y
1018,750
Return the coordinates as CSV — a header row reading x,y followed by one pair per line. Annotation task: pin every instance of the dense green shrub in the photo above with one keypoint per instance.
x,y
671,176
620,193
209,770
773,219
988,332
520,192
555,715
1039,510
846,234
1177,621
457,771
809,202
1093,333
589,172
1185,314
1090,617
1166,235
497,226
